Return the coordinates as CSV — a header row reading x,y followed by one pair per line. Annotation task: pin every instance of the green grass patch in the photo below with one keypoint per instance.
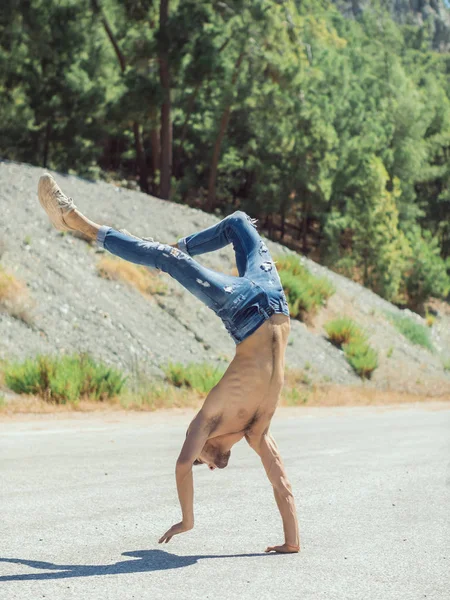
x,y
64,379
361,357
346,334
296,396
201,377
341,331
305,292
414,332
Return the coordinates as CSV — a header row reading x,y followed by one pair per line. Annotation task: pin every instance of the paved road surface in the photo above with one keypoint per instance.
x,y
84,500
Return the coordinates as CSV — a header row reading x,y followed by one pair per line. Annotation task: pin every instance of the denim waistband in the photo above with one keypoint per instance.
x,y
239,332
246,318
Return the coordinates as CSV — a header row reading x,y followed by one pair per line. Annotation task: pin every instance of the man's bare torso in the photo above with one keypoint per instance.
x,y
244,401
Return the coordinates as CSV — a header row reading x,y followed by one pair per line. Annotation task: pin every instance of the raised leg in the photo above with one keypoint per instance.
x,y
217,290
214,289
237,229
207,285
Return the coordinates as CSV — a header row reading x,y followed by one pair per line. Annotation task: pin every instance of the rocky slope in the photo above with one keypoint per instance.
x,y
76,310
435,14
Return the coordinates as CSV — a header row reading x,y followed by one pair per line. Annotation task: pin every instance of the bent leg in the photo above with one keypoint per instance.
x,y
237,229
207,285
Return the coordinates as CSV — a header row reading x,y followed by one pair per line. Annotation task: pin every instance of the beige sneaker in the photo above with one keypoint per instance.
x,y
55,203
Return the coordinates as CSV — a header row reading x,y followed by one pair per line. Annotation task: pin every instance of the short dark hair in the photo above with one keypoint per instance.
x,y
222,459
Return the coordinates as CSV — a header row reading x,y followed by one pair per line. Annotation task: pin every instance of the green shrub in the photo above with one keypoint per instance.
x,y
298,294
427,271
364,364
201,377
64,379
340,331
415,332
291,263
346,334
361,356
430,319
305,292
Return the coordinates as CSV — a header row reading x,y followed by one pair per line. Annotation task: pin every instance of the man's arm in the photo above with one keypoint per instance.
x,y
193,445
266,448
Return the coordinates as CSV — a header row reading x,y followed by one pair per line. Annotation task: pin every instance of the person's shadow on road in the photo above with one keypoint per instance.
x,y
149,560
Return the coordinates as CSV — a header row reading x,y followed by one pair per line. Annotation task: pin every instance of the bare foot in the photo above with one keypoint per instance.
x,y
284,549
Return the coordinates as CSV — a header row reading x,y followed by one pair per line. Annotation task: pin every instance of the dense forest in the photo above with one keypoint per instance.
x,y
334,132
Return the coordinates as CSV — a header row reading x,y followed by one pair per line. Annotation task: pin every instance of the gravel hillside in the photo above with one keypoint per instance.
x,y
75,309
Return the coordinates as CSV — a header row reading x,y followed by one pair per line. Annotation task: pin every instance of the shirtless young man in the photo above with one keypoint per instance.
x,y
254,310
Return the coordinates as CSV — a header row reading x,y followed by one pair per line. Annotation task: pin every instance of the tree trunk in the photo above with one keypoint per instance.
x,y
222,129
283,225
189,111
48,131
166,125
140,154
140,158
305,227
270,226
156,152
112,39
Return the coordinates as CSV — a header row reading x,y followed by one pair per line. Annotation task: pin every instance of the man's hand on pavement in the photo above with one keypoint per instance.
x,y
174,530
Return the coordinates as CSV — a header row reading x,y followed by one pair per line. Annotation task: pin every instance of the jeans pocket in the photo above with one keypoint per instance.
x,y
229,309
257,303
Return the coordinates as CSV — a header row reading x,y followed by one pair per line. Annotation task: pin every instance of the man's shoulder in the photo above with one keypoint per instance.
x,y
208,419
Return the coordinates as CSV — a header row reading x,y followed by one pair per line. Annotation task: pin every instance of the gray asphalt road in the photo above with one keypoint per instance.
x,y
83,502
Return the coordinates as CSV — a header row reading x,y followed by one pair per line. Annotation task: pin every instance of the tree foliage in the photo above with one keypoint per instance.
x,y
335,132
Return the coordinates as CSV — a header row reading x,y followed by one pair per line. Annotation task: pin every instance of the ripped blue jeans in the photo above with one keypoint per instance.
x,y
243,303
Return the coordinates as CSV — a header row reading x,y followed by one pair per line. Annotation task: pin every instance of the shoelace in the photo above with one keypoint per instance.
x,y
64,201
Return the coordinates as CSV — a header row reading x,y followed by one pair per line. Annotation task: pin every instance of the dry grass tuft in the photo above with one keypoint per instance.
x,y
137,276
166,397
429,318
342,395
14,298
160,395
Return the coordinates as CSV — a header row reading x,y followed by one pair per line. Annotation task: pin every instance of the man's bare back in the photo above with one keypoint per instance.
x,y
242,405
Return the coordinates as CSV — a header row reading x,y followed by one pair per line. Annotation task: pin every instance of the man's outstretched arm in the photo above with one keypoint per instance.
x,y
193,445
267,449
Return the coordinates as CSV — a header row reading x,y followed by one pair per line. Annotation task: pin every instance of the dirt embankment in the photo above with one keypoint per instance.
x,y
72,308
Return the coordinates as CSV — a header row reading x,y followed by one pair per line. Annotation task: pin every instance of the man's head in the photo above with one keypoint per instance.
x,y
214,456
